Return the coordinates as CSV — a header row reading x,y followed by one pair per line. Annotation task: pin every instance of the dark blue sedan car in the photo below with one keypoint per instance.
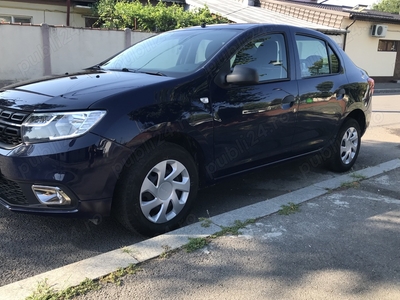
x,y
138,134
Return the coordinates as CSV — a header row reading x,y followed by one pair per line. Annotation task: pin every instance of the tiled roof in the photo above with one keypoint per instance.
x,y
239,13
317,5
331,18
365,14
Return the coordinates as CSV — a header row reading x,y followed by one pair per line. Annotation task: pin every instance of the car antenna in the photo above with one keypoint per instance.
x,y
203,25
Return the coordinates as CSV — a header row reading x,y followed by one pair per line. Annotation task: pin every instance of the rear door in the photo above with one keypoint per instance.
x,y
322,99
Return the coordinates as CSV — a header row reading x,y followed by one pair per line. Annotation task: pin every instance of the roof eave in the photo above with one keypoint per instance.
x,y
333,31
374,19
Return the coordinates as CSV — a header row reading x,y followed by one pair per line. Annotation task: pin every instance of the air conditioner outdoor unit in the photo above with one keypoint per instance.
x,y
379,30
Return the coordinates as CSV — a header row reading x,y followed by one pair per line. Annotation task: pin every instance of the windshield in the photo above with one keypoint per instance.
x,y
175,53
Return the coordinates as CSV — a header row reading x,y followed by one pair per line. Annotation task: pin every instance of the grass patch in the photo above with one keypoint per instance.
x,y
233,230
116,276
205,222
358,176
195,244
198,243
45,292
126,250
348,185
288,209
167,252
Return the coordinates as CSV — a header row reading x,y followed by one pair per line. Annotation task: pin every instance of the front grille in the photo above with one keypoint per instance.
x,y
11,192
10,126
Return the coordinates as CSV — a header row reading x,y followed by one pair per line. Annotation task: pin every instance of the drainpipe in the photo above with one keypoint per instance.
x,y
68,10
345,34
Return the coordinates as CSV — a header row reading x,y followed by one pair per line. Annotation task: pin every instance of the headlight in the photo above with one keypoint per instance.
x,y
42,127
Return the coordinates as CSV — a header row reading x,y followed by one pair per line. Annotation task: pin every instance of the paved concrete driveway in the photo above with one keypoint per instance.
x,y
343,245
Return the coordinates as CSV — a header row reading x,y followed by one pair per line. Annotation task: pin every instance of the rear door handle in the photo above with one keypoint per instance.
x,y
340,94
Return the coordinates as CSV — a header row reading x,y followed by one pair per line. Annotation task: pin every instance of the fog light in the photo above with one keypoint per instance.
x,y
51,195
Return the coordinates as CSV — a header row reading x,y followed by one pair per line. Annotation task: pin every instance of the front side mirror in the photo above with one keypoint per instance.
x,y
242,75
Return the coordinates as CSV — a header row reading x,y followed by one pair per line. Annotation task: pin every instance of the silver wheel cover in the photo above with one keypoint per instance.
x,y
349,145
164,191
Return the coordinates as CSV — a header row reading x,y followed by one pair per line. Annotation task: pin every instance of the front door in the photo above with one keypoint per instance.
x,y
254,123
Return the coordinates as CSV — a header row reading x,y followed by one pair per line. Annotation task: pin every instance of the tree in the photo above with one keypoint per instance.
x,y
161,17
391,6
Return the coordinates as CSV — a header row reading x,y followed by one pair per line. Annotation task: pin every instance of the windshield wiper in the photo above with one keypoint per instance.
x,y
154,73
145,72
125,70
95,67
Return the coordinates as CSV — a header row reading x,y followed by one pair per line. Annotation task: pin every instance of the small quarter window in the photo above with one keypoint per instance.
x,y
334,62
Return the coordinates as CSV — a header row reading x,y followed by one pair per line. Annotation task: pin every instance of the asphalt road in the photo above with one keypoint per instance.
x,y
30,244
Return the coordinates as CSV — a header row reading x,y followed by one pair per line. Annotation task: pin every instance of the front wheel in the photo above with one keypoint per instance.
x,y
155,193
346,147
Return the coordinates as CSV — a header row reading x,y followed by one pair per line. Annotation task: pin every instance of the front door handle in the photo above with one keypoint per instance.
x,y
288,101
340,94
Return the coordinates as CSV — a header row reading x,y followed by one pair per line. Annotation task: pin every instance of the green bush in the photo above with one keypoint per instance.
x,y
161,17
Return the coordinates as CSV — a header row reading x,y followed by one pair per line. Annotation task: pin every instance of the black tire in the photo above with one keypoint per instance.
x,y
155,193
345,149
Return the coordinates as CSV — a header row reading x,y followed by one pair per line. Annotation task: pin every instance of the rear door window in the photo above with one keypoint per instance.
x,y
316,58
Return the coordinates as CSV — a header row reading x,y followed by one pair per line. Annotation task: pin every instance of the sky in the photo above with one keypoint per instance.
x,y
350,2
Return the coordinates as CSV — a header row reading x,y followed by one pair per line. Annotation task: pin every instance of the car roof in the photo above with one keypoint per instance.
x,y
247,26
242,26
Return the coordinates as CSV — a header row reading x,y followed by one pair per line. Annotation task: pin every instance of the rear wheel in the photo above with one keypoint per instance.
x,y
154,194
346,147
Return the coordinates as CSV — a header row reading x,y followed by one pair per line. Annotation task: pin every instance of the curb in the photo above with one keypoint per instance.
x,y
103,264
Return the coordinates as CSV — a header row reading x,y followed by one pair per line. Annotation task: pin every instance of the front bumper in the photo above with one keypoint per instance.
x,y
86,169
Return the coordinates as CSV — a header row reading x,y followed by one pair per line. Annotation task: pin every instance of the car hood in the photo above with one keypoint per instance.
x,y
73,91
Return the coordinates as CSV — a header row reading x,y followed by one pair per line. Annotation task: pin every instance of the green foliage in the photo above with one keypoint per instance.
x,y
391,6
358,176
195,244
122,14
116,276
45,292
291,208
348,185
205,222
168,251
233,230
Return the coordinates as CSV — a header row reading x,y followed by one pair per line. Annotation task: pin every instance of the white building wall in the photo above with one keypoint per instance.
x,y
77,48
43,50
22,57
41,13
362,48
338,39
